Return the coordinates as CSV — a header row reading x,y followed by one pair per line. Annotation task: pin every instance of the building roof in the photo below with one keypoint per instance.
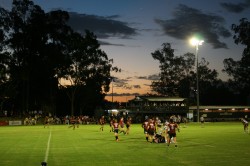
x,y
219,107
157,98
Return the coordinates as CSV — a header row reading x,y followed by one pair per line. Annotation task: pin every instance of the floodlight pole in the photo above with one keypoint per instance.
x,y
112,92
195,42
197,83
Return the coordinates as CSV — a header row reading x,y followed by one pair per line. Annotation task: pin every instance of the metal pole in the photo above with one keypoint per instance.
x,y
197,84
112,92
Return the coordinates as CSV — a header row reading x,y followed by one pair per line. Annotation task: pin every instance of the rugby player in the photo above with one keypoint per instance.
x,y
245,125
171,130
116,129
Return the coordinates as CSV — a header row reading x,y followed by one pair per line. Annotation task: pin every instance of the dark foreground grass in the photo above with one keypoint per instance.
x,y
221,144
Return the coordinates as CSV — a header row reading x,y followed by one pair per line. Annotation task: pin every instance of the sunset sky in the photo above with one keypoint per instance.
x,y
130,30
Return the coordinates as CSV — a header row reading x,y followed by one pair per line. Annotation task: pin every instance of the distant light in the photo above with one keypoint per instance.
x,y
114,110
196,42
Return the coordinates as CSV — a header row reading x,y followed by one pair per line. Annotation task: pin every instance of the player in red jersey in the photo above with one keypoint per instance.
x,y
78,121
171,130
116,129
145,126
128,124
111,124
73,122
151,130
102,123
122,125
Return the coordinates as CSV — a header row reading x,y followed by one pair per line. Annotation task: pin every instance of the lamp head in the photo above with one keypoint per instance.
x,y
196,42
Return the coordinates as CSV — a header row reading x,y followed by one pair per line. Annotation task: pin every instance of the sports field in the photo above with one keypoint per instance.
x,y
221,144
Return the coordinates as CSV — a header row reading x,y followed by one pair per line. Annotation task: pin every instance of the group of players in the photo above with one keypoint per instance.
x,y
157,132
74,121
117,126
154,130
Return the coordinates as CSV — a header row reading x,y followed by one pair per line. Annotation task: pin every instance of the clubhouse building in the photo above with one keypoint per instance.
x,y
166,106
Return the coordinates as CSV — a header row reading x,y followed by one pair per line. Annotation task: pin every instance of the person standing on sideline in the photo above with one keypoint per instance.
x,y
116,129
171,130
245,125
202,120
46,121
102,123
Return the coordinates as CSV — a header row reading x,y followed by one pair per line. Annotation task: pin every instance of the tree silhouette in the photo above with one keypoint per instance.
x,y
240,70
39,49
178,76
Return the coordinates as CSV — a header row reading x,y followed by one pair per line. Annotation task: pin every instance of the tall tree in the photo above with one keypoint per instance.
x,y
173,70
38,49
240,70
18,44
178,76
89,72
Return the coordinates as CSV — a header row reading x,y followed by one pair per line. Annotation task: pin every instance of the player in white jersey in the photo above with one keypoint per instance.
x,y
245,125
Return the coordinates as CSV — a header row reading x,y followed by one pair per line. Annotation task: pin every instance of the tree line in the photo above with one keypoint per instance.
x,y
45,65
178,74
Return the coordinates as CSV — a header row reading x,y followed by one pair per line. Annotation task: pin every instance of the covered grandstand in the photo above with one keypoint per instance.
x,y
165,106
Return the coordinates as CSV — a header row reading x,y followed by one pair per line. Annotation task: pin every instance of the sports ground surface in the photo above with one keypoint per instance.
x,y
220,144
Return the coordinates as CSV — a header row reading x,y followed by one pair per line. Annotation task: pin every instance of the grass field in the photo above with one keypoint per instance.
x,y
221,144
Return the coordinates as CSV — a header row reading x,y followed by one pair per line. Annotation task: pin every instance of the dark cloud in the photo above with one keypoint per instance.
x,y
141,77
188,22
130,87
103,27
137,86
111,44
123,94
236,7
150,77
154,77
147,85
124,84
129,78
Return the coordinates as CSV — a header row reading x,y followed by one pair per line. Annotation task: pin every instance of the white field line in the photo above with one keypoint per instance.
x,y
48,147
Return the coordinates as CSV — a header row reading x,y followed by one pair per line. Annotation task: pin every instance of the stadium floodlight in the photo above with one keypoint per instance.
x,y
196,42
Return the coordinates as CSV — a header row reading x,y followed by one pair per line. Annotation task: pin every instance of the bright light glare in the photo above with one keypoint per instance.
x,y
196,42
